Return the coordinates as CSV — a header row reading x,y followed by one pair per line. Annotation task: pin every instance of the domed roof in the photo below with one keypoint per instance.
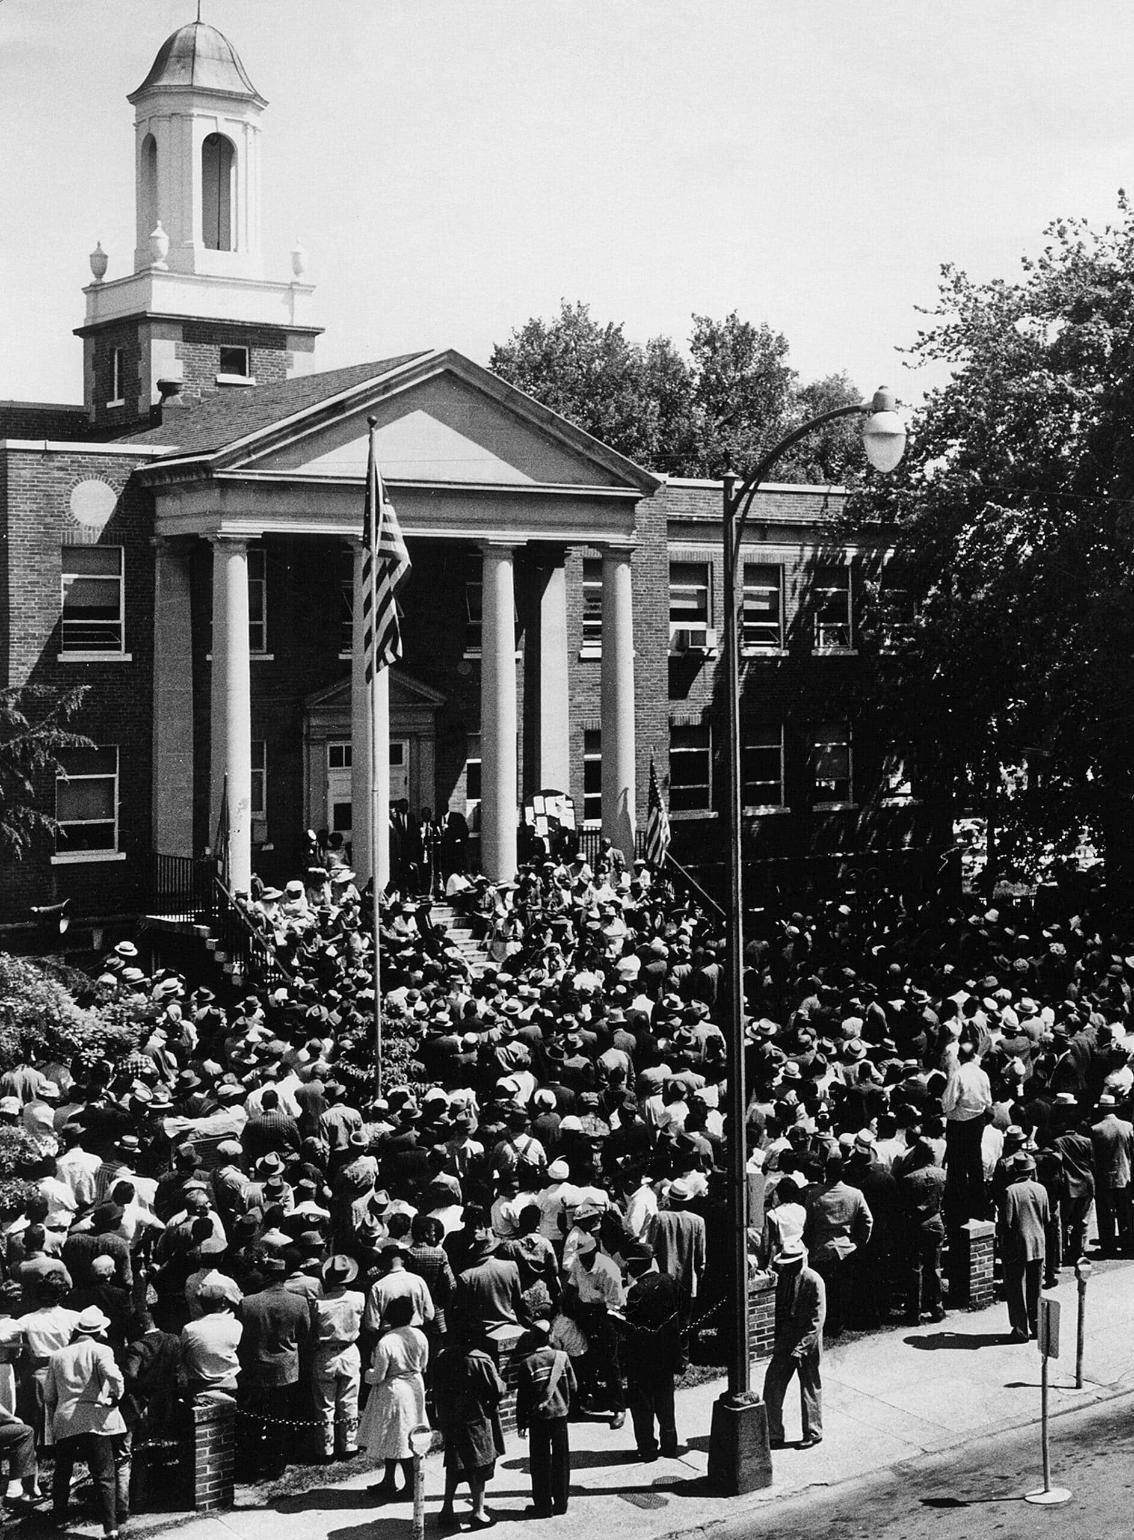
x,y
198,57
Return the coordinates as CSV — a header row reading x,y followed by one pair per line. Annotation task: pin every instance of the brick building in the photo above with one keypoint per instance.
x,y
185,546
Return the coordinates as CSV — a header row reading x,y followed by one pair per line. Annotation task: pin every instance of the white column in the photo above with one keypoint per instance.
x,y
362,784
173,702
618,761
232,704
499,804
554,693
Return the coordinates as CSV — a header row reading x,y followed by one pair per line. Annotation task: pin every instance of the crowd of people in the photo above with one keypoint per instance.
x,y
235,1208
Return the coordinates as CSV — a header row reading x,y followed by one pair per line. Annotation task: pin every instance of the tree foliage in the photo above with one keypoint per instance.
x,y
33,735
1014,534
734,398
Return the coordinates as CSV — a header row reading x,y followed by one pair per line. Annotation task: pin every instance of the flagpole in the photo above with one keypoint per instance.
x,y
373,693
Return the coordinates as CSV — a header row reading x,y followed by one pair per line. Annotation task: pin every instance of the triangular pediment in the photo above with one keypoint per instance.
x,y
405,690
441,419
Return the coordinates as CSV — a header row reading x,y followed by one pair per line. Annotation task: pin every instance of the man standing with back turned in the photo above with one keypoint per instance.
x,y
801,1304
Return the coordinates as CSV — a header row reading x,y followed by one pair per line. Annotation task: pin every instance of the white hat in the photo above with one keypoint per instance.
x,y
559,1171
92,1321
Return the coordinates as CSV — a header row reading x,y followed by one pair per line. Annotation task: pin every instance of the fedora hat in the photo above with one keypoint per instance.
x,y
339,1269
92,1321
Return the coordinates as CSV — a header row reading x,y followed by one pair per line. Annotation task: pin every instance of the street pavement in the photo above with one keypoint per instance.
x,y
887,1400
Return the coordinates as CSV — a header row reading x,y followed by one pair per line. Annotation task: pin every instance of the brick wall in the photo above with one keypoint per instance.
x,y
116,706
214,1444
35,419
199,351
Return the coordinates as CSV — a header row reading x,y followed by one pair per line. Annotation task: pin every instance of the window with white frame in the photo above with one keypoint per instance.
x,y
832,779
898,775
117,377
86,801
690,768
259,801
831,590
763,607
474,614
897,612
688,605
93,599
762,766
592,776
346,604
592,604
340,755
257,599
236,360
472,774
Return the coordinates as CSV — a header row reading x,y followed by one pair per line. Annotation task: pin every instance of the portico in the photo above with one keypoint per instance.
x,y
476,471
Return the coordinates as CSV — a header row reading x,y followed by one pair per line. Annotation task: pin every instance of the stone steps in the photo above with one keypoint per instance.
x,y
459,934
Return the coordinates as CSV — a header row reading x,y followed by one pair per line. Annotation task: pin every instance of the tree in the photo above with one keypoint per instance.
x,y
1013,521
33,735
721,410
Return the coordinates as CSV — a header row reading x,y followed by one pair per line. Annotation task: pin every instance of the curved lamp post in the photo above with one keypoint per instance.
x,y
739,1459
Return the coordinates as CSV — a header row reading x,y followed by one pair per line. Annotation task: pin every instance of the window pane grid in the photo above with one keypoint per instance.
x,y
762,618
592,776
257,599
831,761
92,599
690,769
762,766
832,594
86,801
259,794
592,602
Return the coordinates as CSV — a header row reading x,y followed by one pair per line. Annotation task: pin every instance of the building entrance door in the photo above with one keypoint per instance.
x,y
339,761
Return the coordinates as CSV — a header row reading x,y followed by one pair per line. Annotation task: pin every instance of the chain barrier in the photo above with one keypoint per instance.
x,y
295,1422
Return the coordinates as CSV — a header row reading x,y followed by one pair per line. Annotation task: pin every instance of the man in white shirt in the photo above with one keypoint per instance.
x,y
966,1103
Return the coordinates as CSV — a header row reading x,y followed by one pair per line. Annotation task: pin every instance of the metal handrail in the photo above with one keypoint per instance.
x,y
690,882
242,941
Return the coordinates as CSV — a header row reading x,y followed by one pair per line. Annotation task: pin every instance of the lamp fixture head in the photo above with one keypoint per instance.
x,y
884,432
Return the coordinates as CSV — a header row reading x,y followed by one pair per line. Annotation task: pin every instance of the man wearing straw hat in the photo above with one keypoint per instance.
x,y
797,1348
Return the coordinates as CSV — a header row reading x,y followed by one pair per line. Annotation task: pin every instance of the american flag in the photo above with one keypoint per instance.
x,y
385,562
657,821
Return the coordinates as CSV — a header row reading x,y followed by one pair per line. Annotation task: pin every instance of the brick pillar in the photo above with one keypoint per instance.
x,y
761,1315
971,1282
214,1441
508,1356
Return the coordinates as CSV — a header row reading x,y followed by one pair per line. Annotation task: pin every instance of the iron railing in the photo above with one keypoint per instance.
x,y
590,843
180,886
252,954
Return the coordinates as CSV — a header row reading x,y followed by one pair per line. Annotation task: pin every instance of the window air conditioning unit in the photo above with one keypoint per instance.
x,y
684,639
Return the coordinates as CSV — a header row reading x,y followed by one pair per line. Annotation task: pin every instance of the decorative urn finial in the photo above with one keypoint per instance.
x,y
99,262
159,246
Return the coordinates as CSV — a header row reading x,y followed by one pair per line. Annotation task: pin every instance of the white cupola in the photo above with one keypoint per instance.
x,y
197,131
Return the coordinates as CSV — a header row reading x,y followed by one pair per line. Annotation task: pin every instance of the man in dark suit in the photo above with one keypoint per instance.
x,y
1112,1138
277,1335
653,1355
797,1348
1024,1214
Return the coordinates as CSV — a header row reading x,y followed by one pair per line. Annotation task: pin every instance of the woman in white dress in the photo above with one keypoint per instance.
x,y
396,1404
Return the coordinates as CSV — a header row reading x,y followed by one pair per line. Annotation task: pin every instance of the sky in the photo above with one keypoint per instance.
x,y
454,167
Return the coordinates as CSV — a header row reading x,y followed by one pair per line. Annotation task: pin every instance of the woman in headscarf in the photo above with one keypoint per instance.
x,y
396,1404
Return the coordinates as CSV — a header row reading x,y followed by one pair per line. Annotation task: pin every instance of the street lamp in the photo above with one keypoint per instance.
x,y
739,1460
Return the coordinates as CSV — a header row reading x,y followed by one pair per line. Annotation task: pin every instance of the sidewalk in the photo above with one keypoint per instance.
x,y
886,1399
